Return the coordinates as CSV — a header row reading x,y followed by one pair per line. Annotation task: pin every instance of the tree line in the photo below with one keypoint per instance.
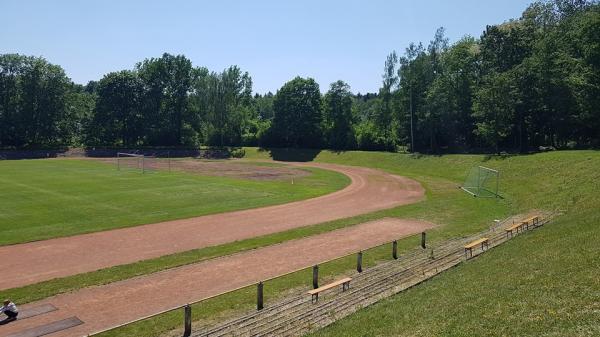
x,y
529,82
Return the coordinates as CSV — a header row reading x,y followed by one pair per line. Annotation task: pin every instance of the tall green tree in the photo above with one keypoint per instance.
x,y
384,119
494,109
416,74
338,117
226,105
33,97
298,116
167,82
460,79
438,100
118,119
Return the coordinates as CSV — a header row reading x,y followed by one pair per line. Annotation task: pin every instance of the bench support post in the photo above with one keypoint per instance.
x,y
395,250
259,296
187,321
359,262
423,240
315,276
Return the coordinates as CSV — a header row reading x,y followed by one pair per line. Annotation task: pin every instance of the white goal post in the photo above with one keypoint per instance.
x,y
133,161
482,182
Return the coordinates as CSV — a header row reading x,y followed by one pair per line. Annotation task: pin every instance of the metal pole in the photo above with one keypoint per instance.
x,y
187,311
395,250
118,163
315,276
143,165
259,296
359,262
479,180
412,135
497,181
169,156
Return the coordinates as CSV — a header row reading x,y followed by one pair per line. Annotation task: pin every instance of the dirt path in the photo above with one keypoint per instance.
x,y
369,191
149,294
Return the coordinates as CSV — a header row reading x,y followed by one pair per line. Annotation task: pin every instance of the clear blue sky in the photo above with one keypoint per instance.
x,y
273,40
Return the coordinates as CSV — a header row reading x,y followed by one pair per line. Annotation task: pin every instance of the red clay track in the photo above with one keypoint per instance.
x,y
116,303
370,190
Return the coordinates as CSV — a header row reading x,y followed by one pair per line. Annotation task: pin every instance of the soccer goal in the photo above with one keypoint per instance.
x,y
482,182
134,161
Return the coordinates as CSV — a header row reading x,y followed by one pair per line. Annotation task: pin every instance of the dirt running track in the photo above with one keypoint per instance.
x,y
142,296
370,190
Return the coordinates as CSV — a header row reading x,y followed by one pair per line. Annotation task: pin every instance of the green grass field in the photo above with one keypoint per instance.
x,y
44,199
497,294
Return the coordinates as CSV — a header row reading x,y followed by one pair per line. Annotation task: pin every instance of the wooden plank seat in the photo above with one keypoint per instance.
x,y
534,221
515,226
484,242
345,282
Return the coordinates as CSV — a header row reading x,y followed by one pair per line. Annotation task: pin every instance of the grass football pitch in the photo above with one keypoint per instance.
x,y
43,199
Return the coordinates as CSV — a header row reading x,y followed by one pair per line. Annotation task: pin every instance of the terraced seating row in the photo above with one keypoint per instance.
x,y
296,315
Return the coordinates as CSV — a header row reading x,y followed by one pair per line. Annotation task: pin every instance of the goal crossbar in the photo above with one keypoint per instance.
x,y
125,154
140,163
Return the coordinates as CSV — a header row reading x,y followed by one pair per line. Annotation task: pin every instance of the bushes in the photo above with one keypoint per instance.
x,y
370,138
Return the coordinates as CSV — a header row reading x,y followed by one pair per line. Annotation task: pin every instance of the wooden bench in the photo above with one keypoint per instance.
x,y
534,220
345,282
485,242
510,229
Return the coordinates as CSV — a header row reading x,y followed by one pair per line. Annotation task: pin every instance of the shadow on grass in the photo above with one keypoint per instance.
x,y
290,154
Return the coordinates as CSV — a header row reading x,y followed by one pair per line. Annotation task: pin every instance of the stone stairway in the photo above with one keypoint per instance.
x,y
296,315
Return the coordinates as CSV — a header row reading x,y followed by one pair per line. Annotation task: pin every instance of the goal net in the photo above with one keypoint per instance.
x,y
482,182
134,161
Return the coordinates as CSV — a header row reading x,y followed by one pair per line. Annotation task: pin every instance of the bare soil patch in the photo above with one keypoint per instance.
x,y
219,168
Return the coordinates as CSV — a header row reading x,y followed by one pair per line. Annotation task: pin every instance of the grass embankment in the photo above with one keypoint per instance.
x,y
44,199
544,283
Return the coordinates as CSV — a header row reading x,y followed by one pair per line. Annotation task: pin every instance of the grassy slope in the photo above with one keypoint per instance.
x,y
543,283
43,199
